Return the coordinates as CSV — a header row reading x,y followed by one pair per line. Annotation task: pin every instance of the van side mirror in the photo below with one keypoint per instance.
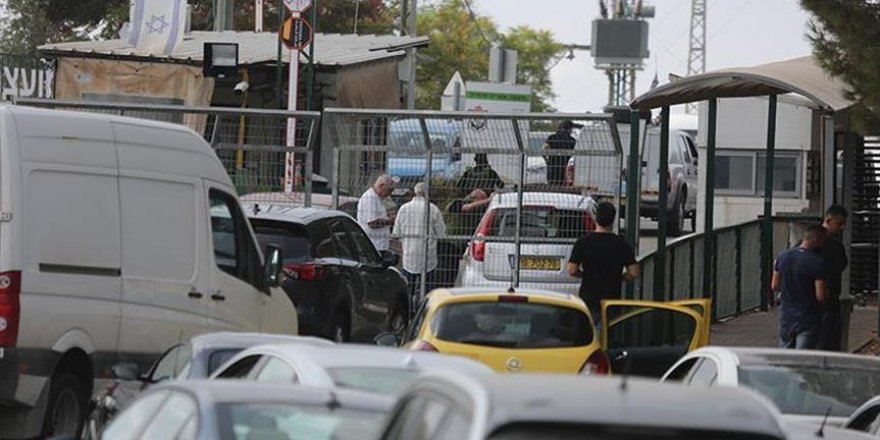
x,y
126,371
273,266
389,259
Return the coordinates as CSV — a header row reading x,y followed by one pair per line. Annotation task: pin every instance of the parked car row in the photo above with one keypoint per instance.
x,y
306,388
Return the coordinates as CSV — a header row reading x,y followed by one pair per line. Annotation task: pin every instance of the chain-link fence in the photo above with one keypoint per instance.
x,y
265,152
509,194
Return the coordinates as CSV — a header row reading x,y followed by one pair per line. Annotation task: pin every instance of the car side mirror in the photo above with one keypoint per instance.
x,y
273,266
389,259
125,371
387,340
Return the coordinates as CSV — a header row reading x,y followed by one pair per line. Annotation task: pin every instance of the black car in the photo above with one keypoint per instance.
x,y
343,289
196,358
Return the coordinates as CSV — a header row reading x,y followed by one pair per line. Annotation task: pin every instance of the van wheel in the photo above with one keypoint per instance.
x,y
66,409
675,221
340,330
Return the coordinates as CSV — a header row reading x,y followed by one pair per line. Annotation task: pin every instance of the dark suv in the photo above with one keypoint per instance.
x,y
343,289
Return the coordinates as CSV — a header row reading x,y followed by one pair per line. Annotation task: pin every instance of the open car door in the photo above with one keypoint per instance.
x,y
645,338
704,308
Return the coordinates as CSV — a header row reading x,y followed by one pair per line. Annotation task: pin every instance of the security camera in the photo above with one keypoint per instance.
x,y
242,87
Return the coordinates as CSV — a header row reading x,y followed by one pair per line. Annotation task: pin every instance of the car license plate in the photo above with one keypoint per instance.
x,y
529,262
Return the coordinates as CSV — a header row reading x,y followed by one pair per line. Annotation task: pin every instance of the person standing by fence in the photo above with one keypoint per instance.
x,y
799,275
602,260
409,227
835,262
561,140
372,214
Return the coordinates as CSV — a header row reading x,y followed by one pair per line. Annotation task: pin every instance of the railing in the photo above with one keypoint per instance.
x,y
736,266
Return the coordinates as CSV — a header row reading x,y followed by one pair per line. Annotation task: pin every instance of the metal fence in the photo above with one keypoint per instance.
x,y
509,194
264,151
736,266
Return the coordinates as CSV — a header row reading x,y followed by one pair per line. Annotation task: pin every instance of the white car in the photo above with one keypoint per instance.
x,y
804,384
551,222
362,367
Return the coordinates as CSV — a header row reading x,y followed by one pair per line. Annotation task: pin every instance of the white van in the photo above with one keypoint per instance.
x,y
118,238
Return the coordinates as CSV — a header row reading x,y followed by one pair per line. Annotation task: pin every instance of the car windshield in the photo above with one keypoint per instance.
x,y
813,389
512,325
573,431
388,381
294,242
541,222
244,421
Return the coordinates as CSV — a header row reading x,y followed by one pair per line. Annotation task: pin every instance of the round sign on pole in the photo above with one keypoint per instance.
x,y
297,5
296,33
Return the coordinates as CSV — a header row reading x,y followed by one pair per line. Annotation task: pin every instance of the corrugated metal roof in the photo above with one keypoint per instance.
x,y
253,48
802,76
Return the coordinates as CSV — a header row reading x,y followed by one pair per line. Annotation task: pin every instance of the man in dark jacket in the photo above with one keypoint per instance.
x,y
835,262
481,176
561,140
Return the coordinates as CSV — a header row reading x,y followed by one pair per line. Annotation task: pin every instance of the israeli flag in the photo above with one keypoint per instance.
x,y
157,26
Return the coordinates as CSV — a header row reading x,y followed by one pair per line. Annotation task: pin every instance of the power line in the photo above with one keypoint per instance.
x,y
473,16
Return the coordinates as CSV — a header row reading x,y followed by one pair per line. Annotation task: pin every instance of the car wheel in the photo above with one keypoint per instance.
x,y
399,318
675,221
66,408
340,330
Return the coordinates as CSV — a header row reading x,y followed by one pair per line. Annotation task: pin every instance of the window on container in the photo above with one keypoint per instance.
x,y
734,173
785,175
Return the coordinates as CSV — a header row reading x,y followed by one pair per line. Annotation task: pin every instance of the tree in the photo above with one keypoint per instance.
x,y
461,42
458,43
845,36
536,50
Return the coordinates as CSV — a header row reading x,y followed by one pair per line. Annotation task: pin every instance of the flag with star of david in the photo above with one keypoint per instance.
x,y
157,26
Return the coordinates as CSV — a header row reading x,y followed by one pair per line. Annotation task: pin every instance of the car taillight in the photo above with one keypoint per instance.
x,y
478,246
589,223
596,364
10,307
306,272
424,346
513,298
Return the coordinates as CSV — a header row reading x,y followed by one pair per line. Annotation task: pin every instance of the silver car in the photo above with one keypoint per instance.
x,y
550,224
525,406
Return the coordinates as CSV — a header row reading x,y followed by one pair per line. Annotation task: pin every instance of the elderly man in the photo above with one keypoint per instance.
x,y
373,216
410,227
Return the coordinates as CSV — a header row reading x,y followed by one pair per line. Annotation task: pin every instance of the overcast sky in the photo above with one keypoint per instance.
x,y
739,33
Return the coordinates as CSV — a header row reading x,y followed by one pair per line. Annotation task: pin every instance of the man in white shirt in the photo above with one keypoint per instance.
x,y
373,216
409,226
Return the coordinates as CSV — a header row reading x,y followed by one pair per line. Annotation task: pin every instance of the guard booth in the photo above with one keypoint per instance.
x,y
847,176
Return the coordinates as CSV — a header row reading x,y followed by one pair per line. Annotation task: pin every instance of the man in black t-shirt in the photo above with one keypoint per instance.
x,y
603,260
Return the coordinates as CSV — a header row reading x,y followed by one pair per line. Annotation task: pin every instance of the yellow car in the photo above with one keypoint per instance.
x,y
541,331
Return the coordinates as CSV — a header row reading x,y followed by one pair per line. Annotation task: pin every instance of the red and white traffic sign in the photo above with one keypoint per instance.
x,y
296,33
297,5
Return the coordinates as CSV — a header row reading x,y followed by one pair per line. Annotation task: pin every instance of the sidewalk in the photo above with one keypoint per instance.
x,y
759,329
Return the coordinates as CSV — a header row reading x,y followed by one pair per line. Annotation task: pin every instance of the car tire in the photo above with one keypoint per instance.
x,y
340,328
675,220
65,411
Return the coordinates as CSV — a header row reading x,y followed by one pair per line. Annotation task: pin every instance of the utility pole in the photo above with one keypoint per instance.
x,y
224,15
408,9
697,50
